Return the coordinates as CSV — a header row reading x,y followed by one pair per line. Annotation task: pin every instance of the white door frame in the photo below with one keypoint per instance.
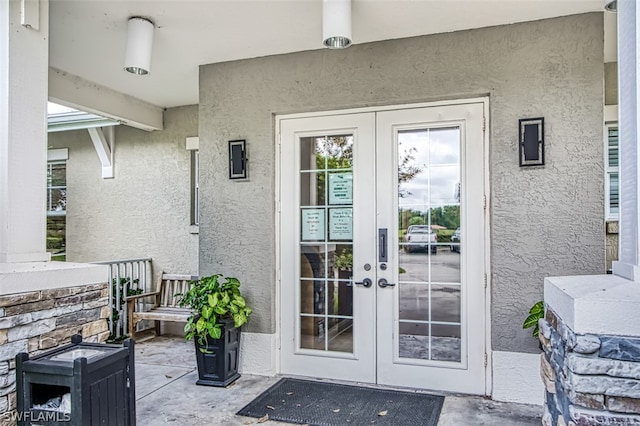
x,y
487,233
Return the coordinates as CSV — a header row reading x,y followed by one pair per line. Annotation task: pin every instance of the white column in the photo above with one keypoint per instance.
x,y
628,97
24,64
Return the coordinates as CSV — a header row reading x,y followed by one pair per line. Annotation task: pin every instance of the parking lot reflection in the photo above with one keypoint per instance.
x,y
430,305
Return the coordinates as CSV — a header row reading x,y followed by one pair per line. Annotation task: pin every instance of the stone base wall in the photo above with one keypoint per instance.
x,y
37,321
589,379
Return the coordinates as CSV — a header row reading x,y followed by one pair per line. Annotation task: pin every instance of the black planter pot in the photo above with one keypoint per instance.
x,y
218,366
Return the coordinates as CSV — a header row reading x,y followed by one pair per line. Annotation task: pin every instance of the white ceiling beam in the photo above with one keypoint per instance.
x,y
76,92
104,148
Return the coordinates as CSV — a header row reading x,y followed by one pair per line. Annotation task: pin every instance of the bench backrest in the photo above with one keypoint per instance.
x,y
169,285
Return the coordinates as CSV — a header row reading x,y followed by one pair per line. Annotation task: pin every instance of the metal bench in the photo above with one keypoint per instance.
x,y
165,307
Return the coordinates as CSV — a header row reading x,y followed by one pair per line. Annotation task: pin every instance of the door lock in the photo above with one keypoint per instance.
x,y
365,283
382,283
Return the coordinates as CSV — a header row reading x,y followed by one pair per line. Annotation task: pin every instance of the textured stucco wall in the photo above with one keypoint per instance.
x,y
545,221
144,210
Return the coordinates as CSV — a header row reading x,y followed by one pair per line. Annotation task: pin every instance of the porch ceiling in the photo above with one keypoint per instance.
x,y
87,38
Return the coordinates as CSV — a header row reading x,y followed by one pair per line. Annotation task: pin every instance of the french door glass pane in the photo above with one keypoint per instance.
x,y
312,332
312,296
326,243
312,261
429,267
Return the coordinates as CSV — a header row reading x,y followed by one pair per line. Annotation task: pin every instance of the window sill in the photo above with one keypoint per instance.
x,y
194,229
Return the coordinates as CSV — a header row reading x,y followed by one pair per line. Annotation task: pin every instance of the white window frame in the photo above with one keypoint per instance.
x,y
55,157
609,170
195,208
193,145
50,211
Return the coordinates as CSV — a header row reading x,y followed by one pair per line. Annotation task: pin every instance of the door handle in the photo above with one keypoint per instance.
x,y
382,283
382,245
365,283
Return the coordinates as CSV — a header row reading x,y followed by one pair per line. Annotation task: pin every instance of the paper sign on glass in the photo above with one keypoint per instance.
x,y
341,188
313,224
341,224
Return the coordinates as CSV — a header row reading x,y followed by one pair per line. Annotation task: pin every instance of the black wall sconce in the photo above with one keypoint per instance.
x,y
531,141
238,159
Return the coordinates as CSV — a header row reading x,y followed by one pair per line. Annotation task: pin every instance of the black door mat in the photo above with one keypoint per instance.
x,y
329,404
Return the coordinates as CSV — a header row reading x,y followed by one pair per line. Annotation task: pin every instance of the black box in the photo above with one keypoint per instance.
x,y
99,378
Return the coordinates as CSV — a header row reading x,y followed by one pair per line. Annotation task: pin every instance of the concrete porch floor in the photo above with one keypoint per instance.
x,y
166,393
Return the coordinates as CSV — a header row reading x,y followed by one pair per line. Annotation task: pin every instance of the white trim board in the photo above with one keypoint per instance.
x,y
58,154
516,378
192,143
258,354
18,278
380,108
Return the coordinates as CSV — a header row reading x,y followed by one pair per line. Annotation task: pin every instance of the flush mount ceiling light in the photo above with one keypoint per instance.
x,y
137,58
336,23
611,5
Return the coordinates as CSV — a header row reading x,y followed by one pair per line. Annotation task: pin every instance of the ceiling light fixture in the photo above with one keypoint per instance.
x,y
336,23
137,58
611,5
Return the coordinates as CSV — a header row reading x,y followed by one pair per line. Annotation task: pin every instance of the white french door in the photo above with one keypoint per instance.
x,y
328,321
367,293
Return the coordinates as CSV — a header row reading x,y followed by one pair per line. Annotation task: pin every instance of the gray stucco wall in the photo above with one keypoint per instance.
x,y
145,209
544,221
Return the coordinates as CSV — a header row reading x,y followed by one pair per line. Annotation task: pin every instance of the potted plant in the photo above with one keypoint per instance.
x,y
535,313
219,310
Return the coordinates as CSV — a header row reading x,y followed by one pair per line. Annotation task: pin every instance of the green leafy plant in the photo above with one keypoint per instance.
x,y
535,313
344,259
213,299
118,287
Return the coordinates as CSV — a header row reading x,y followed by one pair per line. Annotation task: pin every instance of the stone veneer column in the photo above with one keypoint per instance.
x,y
591,360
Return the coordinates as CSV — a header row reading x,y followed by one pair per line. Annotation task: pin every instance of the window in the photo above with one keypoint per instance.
x,y
192,145
195,187
612,172
56,209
